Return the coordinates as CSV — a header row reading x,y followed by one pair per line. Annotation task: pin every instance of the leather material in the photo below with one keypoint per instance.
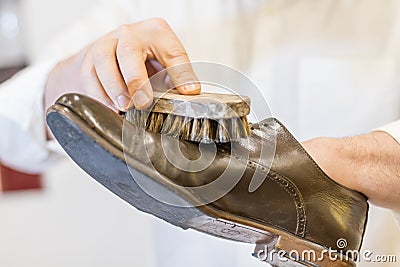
x,y
296,195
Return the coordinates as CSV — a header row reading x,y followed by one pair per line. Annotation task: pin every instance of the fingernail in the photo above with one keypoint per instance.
x,y
140,99
190,87
123,102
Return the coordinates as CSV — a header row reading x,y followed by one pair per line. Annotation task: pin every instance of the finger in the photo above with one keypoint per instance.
x,y
131,61
92,84
108,73
169,51
153,67
160,80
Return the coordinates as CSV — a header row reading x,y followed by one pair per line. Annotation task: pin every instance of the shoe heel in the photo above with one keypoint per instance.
x,y
288,250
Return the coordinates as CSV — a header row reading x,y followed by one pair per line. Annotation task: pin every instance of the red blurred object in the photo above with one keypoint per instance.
x,y
12,180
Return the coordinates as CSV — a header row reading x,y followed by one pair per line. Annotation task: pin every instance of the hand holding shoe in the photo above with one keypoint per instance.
x,y
368,163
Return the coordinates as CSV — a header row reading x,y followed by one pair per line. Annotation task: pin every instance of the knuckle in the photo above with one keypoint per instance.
x,y
158,24
102,55
176,53
127,48
103,50
124,30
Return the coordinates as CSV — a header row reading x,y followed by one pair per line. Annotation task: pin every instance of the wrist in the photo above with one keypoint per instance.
x,y
367,163
336,156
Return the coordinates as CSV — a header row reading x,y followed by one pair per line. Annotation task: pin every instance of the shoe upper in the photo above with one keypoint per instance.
x,y
297,195
285,189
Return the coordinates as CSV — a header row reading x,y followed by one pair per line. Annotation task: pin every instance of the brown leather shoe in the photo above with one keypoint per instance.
x,y
298,214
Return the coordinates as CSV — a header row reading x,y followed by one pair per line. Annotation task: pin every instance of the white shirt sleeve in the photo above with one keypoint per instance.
x,y
393,129
23,142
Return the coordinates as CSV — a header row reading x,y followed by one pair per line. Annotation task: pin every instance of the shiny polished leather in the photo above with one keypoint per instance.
x,y
296,197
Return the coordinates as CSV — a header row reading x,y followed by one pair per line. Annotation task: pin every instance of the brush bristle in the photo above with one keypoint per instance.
x,y
192,129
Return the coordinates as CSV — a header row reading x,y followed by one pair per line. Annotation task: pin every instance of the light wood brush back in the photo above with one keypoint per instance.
x,y
208,117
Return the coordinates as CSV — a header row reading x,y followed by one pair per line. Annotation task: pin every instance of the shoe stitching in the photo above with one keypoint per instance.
x,y
290,188
295,193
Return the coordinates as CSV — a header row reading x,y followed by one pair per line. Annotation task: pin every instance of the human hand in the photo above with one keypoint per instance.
x,y
115,68
368,163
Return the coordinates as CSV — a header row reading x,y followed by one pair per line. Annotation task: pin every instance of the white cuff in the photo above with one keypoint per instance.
x,y
397,216
23,142
393,129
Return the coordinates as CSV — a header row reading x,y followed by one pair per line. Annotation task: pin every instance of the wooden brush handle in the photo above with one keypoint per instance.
x,y
204,105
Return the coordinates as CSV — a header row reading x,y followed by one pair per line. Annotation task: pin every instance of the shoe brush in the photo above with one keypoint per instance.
x,y
207,117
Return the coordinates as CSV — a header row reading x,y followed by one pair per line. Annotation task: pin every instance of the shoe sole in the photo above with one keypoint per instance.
x,y
106,164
